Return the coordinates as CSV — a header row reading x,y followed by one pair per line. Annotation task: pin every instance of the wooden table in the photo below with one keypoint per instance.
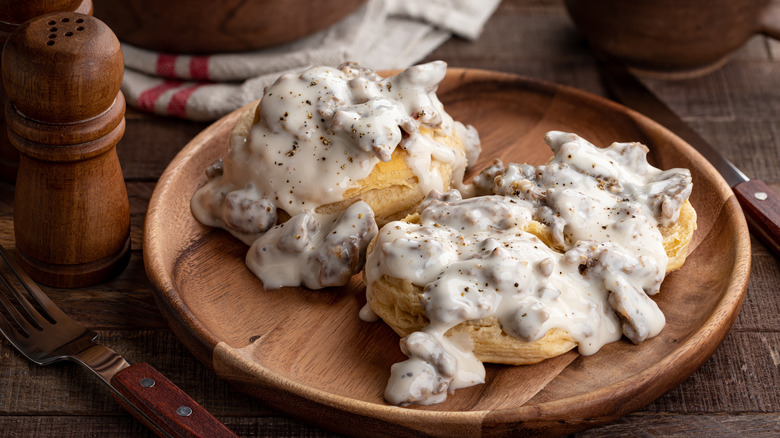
x,y
735,393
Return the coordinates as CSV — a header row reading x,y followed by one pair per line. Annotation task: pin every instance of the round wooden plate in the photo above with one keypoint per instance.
x,y
308,354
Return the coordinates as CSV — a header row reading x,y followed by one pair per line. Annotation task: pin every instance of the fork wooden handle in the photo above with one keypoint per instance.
x,y
170,408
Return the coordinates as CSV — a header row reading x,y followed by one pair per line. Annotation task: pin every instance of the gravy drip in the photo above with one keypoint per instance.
x,y
320,132
473,258
314,250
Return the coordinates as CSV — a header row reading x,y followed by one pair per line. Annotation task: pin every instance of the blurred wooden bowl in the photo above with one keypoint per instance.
x,y
673,39
205,26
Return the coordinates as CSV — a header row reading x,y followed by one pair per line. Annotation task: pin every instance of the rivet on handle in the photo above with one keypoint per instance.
x,y
184,411
761,196
147,382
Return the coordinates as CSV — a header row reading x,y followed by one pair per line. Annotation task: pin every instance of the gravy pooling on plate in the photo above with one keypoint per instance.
x,y
591,271
317,135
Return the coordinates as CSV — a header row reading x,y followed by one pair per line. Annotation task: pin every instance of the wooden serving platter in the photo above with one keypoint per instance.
x,y
308,354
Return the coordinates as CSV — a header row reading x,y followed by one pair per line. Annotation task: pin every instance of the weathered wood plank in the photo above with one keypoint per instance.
x,y
748,90
28,389
73,426
712,426
150,143
532,38
753,146
761,308
116,426
746,363
652,425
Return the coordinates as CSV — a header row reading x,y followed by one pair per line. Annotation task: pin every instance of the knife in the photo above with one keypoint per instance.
x,y
760,204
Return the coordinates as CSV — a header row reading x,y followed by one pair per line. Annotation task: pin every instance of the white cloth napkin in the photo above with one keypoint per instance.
x,y
383,34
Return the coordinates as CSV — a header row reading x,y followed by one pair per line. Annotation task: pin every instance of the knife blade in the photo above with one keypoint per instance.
x,y
760,204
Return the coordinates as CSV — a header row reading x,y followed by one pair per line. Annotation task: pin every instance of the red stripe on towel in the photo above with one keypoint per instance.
x,y
166,65
199,67
178,104
148,98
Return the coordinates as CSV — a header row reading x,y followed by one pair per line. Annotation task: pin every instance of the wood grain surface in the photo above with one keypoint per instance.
x,y
733,394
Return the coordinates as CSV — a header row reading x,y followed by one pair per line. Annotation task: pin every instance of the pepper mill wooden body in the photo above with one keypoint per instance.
x,y
62,73
12,14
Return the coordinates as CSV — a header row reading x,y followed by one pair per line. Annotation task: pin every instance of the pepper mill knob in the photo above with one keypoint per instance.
x,y
12,14
62,73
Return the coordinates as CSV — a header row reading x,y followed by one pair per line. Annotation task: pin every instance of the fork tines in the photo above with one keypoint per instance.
x,y
24,313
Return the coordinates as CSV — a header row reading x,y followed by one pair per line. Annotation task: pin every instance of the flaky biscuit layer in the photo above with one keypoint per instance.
x,y
396,302
391,189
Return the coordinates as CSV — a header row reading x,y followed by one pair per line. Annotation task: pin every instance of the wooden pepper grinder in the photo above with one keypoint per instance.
x,y
12,14
62,73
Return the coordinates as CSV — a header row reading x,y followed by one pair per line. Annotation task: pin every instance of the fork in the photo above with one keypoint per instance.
x,y
46,335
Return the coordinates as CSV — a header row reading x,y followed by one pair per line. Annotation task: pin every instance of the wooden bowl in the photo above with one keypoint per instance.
x,y
206,26
670,38
308,354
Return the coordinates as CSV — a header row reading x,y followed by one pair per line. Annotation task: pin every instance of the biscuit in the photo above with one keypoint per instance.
x,y
391,189
678,236
396,302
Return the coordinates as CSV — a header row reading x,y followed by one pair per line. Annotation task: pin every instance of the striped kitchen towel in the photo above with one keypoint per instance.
x,y
383,34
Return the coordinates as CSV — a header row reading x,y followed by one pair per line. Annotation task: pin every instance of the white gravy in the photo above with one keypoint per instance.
x,y
320,132
314,250
473,259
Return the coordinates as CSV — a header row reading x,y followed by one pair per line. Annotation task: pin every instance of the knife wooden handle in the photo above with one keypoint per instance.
x,y
761,206
164,403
